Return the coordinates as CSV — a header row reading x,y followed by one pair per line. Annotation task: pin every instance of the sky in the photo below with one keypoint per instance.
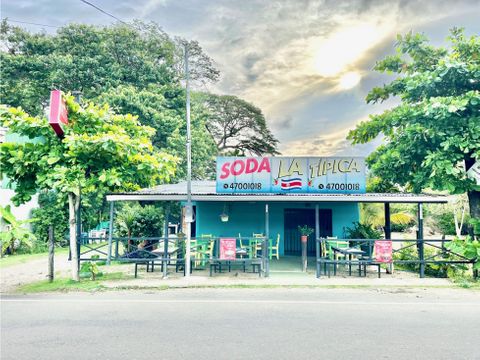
x,y
306,64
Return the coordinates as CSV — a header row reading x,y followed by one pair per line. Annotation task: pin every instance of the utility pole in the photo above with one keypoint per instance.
x,y
188,208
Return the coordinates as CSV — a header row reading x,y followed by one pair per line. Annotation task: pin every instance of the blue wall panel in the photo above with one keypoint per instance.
x,y
249,217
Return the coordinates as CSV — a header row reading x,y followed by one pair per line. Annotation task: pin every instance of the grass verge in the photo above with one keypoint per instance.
x,y
10,260
64,284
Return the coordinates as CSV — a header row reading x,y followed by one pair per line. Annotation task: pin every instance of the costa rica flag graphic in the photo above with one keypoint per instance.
x,y
291,184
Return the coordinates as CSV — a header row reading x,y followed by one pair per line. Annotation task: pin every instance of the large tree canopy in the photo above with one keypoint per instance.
x,y
100,152
238,127
92,60
433,136
163,108
136,69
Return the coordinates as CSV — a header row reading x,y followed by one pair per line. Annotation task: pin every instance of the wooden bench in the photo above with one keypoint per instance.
x,y
216,265
362,265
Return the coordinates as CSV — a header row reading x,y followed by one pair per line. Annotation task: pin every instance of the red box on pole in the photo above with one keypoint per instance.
x,y
58,112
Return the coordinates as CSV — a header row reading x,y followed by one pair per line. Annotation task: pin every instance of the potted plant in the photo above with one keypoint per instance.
x,y
305,232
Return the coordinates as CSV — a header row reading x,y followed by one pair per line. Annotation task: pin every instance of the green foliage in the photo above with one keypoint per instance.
x,y
90,268
136,70
14,234
433,135
435,270
63,285
134,220
440,218
445,223
362,231
476,226
374,215
305,230
376,184
51,212
468,247
101,151
92,60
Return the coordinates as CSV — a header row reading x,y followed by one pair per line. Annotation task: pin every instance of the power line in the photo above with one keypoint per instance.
x,y
103,11
29,23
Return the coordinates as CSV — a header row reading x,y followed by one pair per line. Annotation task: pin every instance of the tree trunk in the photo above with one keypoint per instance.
x,y
473,196
73,201
474,202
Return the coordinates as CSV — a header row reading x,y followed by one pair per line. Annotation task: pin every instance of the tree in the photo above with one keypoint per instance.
x,y
101,151
51,212
374,214
92,60
433,136
237,127
163,108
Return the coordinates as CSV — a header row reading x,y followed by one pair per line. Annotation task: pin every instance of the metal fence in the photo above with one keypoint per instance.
x,y
169,251
421,252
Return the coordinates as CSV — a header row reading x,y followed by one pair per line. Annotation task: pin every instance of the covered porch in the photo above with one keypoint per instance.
x,y
263,227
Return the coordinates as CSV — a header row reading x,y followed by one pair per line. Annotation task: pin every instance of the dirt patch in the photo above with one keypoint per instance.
x,y
34,270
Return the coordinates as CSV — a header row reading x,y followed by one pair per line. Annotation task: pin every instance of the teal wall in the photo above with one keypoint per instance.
x,y
249,217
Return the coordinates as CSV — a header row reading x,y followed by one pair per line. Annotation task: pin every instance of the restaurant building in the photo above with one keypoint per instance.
x,y
273,196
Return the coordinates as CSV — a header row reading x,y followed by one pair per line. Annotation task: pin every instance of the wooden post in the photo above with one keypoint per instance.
x,y
51,253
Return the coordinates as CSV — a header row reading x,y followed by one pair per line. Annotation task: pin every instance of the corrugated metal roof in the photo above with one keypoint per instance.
x,y
206,191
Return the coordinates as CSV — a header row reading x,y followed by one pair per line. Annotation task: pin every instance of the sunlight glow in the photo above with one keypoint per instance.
x,y
334,54
349,80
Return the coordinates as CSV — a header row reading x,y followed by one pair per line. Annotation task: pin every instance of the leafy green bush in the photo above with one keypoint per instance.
x,y
445,223
362,231
89,269
440,218
468,247
14,235
134,220
51,212
434,270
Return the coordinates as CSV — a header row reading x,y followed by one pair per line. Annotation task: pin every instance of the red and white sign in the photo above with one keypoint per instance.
x,y
58,112
383,251
228,248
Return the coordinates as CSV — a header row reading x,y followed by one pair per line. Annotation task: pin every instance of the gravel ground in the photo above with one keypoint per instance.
x,y
34,270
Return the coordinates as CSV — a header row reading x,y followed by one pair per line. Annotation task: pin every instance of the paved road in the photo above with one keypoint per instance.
x,y
243,324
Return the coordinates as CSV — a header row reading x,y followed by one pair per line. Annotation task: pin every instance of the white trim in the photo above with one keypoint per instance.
x,y
289,198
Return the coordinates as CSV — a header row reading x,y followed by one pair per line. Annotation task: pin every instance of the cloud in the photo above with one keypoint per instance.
x,y
284,123
287,57
327,145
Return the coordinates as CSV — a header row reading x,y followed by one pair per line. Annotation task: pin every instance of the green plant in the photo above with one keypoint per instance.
x,y
468,247
14,235
51,212
100,152
305,230
431,135
476,226
90,268
362,231
134,220
374,214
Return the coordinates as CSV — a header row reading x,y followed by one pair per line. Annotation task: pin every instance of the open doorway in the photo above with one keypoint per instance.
x,y
299,217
